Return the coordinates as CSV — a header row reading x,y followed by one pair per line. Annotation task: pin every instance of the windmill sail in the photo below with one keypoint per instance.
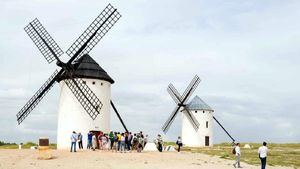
x,y
170,120
37,97
190,89
94,33
192,119
85,96
42,39
83,45
180,101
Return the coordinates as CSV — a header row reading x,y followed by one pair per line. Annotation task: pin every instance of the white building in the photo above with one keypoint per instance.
x,y
71,115
204,114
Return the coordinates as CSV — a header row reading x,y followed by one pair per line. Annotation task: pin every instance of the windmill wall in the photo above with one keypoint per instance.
x,y
193,138
73,117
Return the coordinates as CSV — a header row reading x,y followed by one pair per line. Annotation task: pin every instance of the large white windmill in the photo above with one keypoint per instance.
x,y
197,117
85,88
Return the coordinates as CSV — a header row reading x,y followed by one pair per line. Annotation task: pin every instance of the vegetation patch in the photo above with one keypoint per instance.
x,y
279,154
27,145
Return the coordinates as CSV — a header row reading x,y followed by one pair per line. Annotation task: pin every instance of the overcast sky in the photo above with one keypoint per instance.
x,y
247,54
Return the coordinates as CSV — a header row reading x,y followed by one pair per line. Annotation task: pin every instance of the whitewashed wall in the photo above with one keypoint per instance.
x,y
72,116
193,138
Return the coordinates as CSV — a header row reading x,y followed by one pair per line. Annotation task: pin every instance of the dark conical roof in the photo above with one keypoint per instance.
x,y
87,67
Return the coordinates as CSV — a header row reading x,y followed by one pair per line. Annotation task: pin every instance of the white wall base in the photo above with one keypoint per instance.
x,y
193,138
73,117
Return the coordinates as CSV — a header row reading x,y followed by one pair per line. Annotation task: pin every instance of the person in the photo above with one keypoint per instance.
x,y
89,136
73,141
80,140
179,143
119,141
145,140
159,142
111,139
140,143
129,143
104,141
237,156
116,141
126,141
262,152
94,142
100,141
134,141
122,144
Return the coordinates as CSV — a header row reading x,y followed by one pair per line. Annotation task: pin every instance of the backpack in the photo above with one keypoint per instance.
x,y
233,151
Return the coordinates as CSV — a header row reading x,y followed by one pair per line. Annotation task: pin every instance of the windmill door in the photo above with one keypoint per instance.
x,y
206,140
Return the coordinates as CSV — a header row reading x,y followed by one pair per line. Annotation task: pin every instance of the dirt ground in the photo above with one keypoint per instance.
x,y
28,159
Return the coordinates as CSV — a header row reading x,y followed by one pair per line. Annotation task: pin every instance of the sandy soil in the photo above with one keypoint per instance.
x,y
28,159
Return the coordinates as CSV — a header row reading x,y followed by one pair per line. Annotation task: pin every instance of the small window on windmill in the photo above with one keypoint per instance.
x,y
101,84
203,111
195,111
206,124
94,82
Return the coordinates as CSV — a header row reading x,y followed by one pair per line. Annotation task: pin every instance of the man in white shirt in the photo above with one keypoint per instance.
x,y
238,156
263,151
73,138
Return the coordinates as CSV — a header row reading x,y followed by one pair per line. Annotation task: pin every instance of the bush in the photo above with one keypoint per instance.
x,y
2,143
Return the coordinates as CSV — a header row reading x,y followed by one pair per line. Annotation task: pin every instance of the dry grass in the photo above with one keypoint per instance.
x,y
24,146
279,154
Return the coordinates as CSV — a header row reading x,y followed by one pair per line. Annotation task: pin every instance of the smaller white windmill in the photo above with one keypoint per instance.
x,y
197,117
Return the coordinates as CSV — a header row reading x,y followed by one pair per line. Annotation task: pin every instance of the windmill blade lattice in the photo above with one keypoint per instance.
x,y
85,96
192,119
37,97
181,102
174,94
94,33
42,39
190,89
170,120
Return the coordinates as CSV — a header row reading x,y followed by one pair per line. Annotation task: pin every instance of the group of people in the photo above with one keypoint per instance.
x,y
74,139
114,141
262,154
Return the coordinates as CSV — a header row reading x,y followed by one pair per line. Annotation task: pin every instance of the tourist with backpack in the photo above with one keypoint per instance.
x,y
159,142
179,143
237,151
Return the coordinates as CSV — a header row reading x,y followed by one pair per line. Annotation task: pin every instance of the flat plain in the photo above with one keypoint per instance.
x,y
62,159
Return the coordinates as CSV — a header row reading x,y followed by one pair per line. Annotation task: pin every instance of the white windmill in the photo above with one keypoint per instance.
x,y
197,117
85,96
